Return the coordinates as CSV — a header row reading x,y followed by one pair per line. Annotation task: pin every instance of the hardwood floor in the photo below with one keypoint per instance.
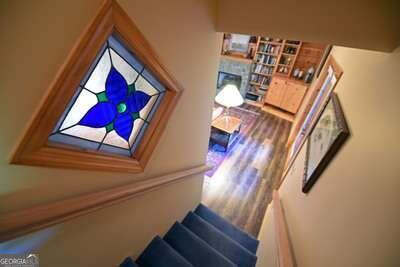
x,y
241,188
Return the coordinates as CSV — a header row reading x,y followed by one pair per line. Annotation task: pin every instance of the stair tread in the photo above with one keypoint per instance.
x,y
159,253
227,228
128,262
194,249
228,247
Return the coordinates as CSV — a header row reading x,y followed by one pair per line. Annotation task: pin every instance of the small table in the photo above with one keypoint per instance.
x,y
224,129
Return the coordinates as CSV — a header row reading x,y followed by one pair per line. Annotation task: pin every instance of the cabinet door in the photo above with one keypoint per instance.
x,y
275,92
294,94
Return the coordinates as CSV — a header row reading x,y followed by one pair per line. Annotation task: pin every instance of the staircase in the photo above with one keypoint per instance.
x,y
202,239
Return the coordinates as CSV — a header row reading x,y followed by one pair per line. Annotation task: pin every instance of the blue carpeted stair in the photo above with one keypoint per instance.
x,y
219,241
227,228
159,253
202,239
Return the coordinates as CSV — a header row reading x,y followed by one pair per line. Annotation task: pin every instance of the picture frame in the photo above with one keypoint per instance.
x,y
239,45
325,139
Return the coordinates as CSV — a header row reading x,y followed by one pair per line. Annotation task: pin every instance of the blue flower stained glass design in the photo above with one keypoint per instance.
x,y
113,104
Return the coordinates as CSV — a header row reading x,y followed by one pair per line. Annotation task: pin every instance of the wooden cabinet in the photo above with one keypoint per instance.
x,y
285,94
294,94
275,92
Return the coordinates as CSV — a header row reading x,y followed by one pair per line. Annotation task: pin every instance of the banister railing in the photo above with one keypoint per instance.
x,y
17,223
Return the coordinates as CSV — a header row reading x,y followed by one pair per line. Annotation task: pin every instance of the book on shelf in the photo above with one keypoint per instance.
x,y
256,90
262,81
268,70
268,48
258,68
266,59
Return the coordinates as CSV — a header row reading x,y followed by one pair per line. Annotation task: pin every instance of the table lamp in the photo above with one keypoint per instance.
x,y
229,96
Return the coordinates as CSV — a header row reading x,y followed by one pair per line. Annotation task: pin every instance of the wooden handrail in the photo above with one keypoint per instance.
x,y
14,224
284,249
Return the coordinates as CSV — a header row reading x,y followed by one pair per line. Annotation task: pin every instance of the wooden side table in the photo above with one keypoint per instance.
x,y
224,130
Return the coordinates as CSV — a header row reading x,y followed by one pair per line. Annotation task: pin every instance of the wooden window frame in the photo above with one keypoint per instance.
x,y
34,148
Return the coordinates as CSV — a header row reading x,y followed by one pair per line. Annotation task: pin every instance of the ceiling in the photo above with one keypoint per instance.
x,y
368,24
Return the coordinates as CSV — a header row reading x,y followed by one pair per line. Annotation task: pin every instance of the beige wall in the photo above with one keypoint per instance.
x,y
267,250
372,24
351,215
35,38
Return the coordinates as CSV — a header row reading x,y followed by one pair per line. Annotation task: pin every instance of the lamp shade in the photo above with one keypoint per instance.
x,y
229,96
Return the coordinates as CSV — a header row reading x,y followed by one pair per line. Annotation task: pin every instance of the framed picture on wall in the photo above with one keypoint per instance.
x,y
328,134
239,45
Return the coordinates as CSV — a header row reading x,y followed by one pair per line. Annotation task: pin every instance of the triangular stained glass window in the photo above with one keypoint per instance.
x,y
113,104
108,105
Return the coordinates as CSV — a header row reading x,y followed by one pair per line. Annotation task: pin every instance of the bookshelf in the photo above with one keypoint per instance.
x,y
265,61
293,62
288,57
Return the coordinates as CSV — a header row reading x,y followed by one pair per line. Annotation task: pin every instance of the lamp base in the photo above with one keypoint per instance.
x,y
226,112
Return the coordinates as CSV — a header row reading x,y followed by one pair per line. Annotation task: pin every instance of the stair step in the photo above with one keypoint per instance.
x,y
128,262
227,228
219,241
159,253
193,249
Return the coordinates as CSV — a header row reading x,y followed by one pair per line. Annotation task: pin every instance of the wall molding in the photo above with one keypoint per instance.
x,y
18,223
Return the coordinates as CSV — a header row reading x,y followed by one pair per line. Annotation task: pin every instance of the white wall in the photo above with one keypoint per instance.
x,y
35,38
351,215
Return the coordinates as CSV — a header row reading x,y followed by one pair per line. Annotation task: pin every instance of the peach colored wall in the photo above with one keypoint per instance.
x,y
372,24
267,250
351,215
36,37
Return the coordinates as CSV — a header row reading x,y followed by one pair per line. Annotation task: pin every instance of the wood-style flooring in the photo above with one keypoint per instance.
x,y
241,189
